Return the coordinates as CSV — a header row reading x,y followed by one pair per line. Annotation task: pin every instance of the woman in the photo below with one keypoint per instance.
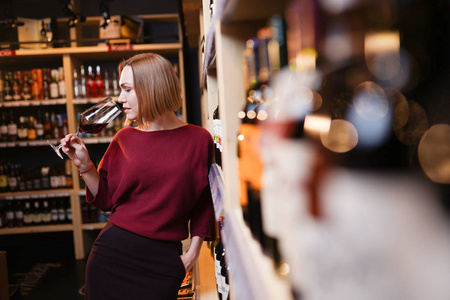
x,y
153,179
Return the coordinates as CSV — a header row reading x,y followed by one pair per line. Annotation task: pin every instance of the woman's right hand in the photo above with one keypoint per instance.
x,y
74,147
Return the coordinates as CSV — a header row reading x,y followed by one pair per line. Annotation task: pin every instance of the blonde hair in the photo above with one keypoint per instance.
x,y
156,85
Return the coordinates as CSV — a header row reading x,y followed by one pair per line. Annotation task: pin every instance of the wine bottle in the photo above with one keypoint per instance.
x,y
46,84
83,92
9,212
31,131
46,213
22,129
3,128
12,128
18,213
91,86
100,86
61,83
3,178
26,88
62,216
76,84
16,88
12,178
35,86
27,214
53,86
37,216
7,87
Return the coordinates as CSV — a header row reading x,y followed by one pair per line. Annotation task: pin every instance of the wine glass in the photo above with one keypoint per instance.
x,y
94,119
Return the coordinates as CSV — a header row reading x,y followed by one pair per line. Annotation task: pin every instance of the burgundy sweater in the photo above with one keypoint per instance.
x,y
155,182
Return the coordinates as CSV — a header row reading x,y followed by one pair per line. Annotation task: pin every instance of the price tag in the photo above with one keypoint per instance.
x,y
120,47
7,52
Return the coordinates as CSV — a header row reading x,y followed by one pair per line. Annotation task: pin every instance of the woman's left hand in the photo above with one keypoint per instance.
x,y
188,261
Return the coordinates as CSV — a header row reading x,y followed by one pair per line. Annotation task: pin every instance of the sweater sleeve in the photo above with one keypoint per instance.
x,y
203,217
103,199
202,220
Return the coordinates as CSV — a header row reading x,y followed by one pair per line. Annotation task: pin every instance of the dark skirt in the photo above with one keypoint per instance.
x,y
126,266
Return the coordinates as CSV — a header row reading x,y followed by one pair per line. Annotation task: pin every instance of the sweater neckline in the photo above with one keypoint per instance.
x,y
162,130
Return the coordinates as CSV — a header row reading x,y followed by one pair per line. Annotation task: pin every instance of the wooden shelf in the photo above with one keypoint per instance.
x,y
37,229
93,226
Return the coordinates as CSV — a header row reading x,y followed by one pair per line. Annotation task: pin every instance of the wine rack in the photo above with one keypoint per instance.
x,y
71,58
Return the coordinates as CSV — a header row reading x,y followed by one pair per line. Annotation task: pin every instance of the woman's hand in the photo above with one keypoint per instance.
x,y
75,149
191,256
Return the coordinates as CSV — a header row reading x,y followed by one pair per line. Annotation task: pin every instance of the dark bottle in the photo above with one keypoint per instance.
x,y
9,213
37,182
37,216
18,213
26,87
1,86
46,212
35,86
3,178
61,83
29,181
2,215
16,88
46,84
39,126
22,129
47,126
217,136
62,216
54,212
27,214
7,87
68,173
12,128
45,178
12,178
3,128
68,210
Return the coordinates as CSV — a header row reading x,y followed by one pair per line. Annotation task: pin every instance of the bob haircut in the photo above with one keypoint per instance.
x,y
156,86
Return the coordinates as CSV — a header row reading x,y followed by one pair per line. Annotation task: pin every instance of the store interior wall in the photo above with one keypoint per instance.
x,y
54,9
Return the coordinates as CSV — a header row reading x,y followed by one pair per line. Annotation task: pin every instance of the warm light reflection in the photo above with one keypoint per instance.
x,y
317,124
306,59
240,137
262,115
241,114
341,138
251,114
434,153
370,101
338,43
415,127
381,42
317,101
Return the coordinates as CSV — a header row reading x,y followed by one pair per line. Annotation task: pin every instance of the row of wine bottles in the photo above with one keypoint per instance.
x,y
35,84
44,125
46,83
14,178
19,213
221,266
90,214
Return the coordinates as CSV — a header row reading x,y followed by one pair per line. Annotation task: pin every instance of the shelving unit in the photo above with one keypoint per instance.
x,y
70,58
252,275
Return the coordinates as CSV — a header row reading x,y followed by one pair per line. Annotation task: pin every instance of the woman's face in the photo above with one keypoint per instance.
x,y
128,94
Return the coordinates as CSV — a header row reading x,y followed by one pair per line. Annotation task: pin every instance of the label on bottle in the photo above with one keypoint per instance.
x,y
12,129
12,181
37,218
61,214
62,88
18,214
39,130
54,90
54,181
46,217
3,181
54,214
4,130
28,218
22,133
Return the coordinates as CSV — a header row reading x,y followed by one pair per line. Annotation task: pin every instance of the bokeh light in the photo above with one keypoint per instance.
x,y
434,153
342,136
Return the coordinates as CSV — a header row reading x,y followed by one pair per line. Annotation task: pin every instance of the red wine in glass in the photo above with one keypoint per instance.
x,y
95,118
